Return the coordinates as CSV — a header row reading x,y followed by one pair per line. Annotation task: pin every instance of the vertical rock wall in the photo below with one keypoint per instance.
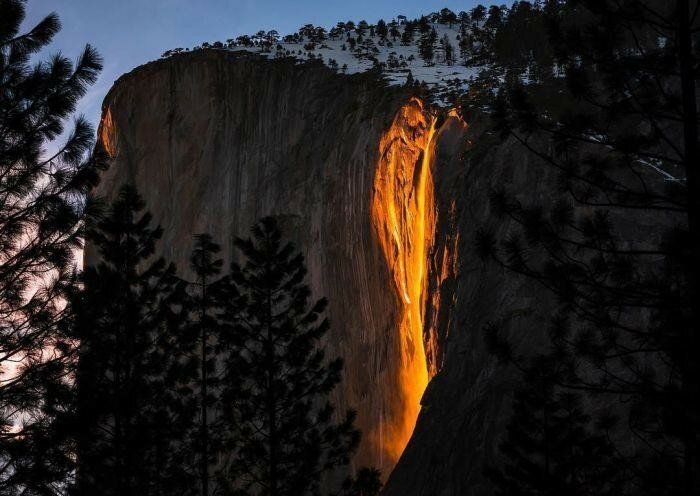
x,y
215,140
465,406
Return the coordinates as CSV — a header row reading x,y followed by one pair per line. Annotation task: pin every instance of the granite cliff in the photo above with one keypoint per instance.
x,y
382,194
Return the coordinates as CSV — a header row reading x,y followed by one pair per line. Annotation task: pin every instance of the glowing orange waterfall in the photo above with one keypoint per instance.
x,y
404,218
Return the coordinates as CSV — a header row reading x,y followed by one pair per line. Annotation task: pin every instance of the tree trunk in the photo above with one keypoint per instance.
x,y
204,427
271,415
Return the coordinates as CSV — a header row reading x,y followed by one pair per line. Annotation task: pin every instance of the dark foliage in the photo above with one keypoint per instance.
x,y
42,186
276,414
207,296
553,446
509,40
426,46
617,244
130,417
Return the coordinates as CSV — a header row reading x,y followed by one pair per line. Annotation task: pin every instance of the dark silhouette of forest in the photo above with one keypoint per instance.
x,y
218,384
133,378
602,93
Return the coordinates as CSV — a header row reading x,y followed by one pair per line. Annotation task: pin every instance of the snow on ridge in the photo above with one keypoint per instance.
x,y
340,50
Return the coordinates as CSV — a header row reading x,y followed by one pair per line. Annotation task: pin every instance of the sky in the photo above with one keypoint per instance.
x,y
128,33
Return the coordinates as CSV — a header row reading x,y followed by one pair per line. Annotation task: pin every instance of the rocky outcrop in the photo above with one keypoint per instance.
x,y
215,140
466,404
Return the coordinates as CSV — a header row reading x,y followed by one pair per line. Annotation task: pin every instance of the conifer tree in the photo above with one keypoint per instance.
x,y
394,30
512,40
447,17
382,29
617,244
410,81
465,46
426,46
424,25
205,330
552,446
495,17
361,29
276,413
478,14
448,50
130,418
42,183
408,33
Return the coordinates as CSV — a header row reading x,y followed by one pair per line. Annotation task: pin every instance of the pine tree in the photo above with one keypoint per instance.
x,y
130,418
410,81
394,31
41,214
448,50
424,25
495,17
277,415
617,245
426,46
382,29
361,29
465,46
552,446
478,14
408,33
209,290
513,40
446,16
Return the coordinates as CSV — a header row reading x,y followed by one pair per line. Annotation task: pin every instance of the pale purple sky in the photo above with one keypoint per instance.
x,y
128,33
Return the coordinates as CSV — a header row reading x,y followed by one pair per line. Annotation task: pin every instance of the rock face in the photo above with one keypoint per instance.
x,y
215,140
467,403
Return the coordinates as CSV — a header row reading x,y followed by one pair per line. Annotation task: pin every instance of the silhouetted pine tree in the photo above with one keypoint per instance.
x,y
552,446
426,46
382,29
495,17
618,243
512,39
408,33
448,50
478,13
41,215
207,294
130,417
410,81
276,412
447,17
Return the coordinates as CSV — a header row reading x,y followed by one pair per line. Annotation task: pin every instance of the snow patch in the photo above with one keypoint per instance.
x,y
341,51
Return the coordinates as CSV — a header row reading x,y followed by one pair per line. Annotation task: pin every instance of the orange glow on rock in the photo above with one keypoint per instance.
x,y
108,134
403,215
